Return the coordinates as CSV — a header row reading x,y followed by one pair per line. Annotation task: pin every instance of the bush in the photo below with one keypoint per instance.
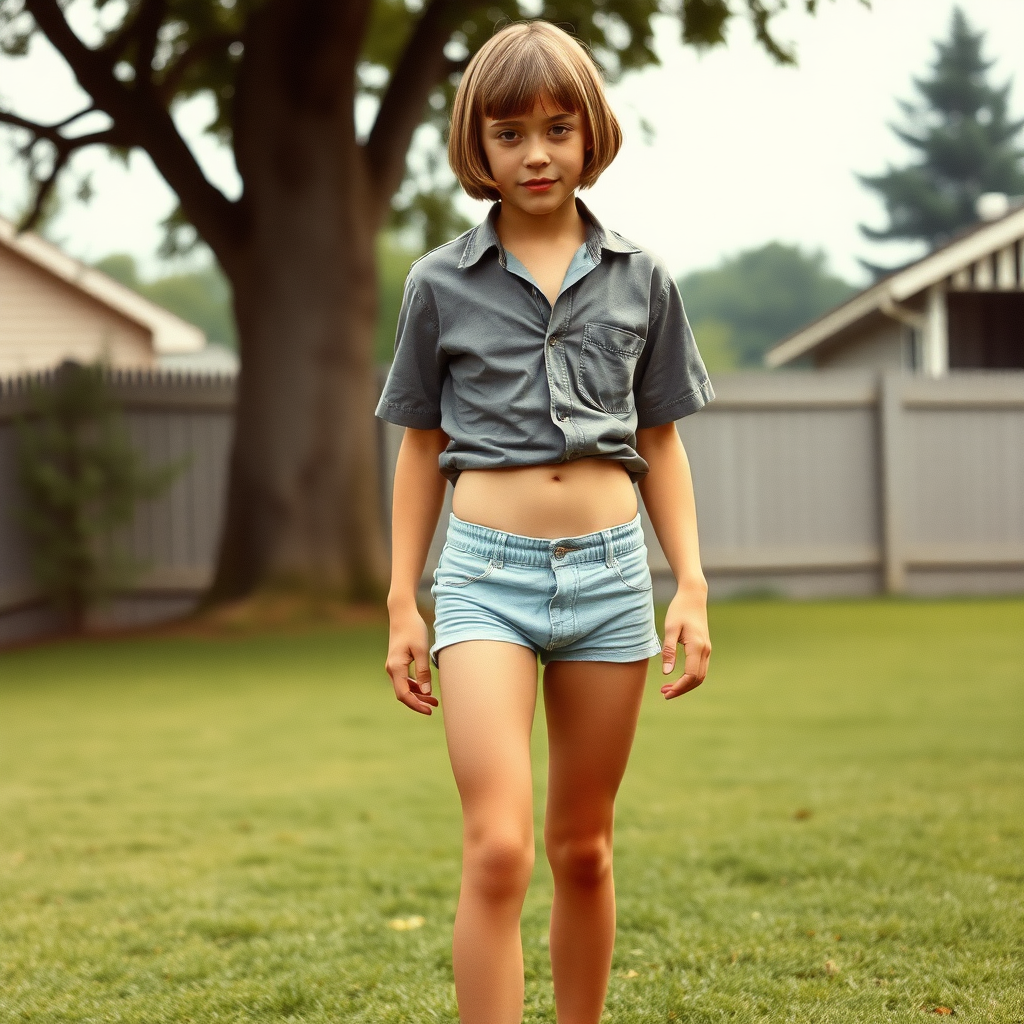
x,y
81,479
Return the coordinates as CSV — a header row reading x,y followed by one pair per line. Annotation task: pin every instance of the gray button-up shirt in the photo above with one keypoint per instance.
x,y
514,381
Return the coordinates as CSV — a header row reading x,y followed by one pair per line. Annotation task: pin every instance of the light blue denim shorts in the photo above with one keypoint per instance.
x,y
586,598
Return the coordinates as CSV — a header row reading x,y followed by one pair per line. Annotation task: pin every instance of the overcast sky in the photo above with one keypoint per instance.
x,y
744,151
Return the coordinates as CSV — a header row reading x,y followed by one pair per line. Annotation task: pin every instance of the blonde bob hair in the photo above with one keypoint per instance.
x,y
505,78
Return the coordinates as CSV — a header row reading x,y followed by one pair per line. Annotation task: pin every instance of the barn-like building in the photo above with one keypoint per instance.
x,y
960,307
53,308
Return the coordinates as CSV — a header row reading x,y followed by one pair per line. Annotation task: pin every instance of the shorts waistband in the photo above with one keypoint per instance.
x,y
503,547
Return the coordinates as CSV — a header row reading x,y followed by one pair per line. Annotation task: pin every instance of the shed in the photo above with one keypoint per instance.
x,y
53,307
960,307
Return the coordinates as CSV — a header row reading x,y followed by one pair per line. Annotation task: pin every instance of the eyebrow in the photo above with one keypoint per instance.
x,y
564,116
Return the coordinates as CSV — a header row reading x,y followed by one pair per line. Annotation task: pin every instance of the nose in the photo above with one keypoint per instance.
x,y
536,153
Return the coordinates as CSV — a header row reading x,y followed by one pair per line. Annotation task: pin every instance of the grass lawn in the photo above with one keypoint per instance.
x,y
221,830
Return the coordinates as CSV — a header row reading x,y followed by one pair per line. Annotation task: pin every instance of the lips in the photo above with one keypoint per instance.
x,y
538,184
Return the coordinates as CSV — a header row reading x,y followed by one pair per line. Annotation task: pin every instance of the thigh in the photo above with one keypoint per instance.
x,y
488,697
592,709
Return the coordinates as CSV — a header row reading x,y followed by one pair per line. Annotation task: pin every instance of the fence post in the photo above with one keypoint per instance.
x,y
890,443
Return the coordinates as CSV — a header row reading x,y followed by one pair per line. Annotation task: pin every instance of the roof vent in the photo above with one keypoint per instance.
x,y
992,205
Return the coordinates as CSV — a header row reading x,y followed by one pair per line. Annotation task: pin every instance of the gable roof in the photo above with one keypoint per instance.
x,y
169,332
957,261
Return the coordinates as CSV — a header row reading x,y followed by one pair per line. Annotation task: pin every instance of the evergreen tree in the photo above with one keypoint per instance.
x,y
965,145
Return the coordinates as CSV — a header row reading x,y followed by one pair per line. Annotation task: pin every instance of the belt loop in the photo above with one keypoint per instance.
x,y
609,548
499,551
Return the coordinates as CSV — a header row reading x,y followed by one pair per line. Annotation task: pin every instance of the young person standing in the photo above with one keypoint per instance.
x,y
540,365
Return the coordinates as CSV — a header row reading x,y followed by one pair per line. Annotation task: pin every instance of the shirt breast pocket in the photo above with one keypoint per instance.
x,y
607,360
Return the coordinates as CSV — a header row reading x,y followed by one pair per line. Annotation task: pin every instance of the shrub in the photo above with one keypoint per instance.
x,y
81,479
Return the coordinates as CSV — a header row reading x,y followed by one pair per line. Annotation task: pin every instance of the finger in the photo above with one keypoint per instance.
x,y
682,685
668,648
403,684
422,659
694,649
417,704
423,694
705,663
410,698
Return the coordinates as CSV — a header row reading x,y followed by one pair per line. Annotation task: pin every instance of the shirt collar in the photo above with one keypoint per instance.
x,y
485,237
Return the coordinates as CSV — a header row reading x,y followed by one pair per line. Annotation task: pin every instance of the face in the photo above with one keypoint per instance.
x,y
536,158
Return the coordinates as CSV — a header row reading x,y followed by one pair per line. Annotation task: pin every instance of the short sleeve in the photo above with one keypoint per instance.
x,y
412,392
670,381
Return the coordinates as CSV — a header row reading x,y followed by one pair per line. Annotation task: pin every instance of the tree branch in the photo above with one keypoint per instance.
x,y
761,16
141,120
175,72
421,67
135,29
147,29
42,131
63,146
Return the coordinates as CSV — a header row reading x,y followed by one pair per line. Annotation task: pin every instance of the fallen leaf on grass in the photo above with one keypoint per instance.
x,y
943,1011
831,967
802,813
632,974
407,924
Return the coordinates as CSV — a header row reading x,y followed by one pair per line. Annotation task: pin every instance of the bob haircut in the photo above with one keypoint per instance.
x,y
504,79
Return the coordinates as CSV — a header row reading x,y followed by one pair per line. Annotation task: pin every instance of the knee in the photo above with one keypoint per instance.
x,y
583,862
499,866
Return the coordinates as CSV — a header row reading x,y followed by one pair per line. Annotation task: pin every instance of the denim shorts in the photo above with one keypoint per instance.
x,y
586,598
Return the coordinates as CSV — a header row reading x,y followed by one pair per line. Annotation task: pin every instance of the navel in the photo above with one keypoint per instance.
x,y
556,478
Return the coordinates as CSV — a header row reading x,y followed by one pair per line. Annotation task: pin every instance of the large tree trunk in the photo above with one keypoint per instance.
x,y
304,506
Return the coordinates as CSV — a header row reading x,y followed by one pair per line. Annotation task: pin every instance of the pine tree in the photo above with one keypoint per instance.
x,y
965,143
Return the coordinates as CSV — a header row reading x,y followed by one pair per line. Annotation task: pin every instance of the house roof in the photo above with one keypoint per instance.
x,y
170,333
955,262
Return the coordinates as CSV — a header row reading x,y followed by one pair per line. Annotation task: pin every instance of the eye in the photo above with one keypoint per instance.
x,y
560,130
507,135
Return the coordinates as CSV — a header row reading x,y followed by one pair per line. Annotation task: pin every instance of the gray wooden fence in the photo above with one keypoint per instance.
x,y
170,417
808,485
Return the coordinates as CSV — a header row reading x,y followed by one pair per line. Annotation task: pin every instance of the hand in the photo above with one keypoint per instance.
x,y
407,643
686,622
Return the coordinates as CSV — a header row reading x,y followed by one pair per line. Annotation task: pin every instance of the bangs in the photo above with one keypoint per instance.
x,y
523,74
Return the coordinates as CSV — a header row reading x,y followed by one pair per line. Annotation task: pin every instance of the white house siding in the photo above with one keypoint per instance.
x,y
879,344
44,320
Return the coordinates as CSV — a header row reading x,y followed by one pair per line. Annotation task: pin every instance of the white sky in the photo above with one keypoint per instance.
x,y
744,151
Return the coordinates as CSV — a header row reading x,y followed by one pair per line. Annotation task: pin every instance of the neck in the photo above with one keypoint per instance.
x,y
515,225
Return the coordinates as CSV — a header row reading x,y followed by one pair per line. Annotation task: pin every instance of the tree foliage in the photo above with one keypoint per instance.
x,y
202,297
754,299
964,140
163,51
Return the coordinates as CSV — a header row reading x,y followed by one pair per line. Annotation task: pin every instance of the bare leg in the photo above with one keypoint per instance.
x,y
489,693
592,710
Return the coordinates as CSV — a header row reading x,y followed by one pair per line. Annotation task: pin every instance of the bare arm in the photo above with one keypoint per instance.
x,y
418,497
667,491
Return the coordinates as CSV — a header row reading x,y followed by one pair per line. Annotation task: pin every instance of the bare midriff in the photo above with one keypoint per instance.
x,y
564,499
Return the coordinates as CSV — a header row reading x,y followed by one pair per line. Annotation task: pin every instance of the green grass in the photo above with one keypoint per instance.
x,y
220,830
